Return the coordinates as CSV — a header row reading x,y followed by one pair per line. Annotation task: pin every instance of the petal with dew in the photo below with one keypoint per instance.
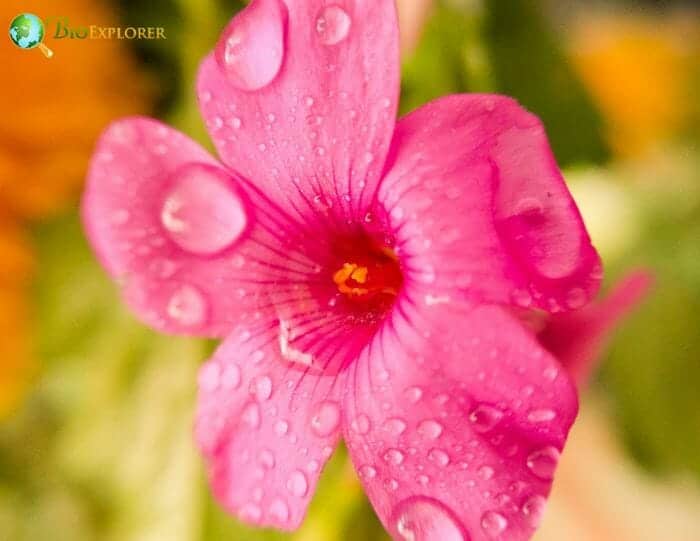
x,y
482,209
318,125
455,420
266,428
166,219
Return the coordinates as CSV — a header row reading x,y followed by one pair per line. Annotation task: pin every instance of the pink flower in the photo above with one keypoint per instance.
x,y
362,270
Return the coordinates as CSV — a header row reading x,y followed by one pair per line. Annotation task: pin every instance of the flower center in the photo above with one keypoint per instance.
x,y
370,274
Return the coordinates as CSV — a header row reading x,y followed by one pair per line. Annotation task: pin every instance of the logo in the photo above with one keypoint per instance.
x,y
27,32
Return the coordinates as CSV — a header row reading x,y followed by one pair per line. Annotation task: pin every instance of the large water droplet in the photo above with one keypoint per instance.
x,y
250,512
201,212
426,519
209,377
231,377
297,484
187,306
367,472
267,459
395,426
484,418
543,462
413,394
430,429
251,49
326,419
333,25
493,523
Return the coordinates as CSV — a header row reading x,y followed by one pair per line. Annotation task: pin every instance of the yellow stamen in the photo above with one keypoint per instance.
x,y
354,271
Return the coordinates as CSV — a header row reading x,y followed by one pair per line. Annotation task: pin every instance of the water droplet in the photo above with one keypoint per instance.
x,y
367,472
541,415
333,25
533,510
267,459
486,472
484,418
391,484
543,462
440,457
395,426
430,429
231,377
251,49
493,523
297,484
187,306
393,456
425,519
281,427
261,388
423,479
279,511
201,212
414,394
236,123
250,512
326,419
209,377
361,424
251,415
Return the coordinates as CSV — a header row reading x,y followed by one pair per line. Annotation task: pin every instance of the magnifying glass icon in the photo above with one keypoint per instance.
x,y
27,32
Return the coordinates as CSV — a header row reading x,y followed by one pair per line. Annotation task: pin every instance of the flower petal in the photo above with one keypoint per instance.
x,y
578,338
320,126
482,208
165,218
455,420
266,429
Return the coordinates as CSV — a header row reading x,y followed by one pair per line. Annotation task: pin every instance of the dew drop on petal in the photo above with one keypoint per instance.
x,y
413,394
187,306
484,418
541,415
533,510
440,457
297,484
279,511
251,415
251,49
267,459
209,377
201,212
395,426
367,472
281,427
543,462
393,456
425,519
231,377
261,388
430,429
576,298
250,512
493,523
361,424
333,25
326,419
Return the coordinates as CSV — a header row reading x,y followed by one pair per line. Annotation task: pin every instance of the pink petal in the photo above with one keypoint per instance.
x,y
171,224
455,420
578,338
301,96
265,428
482,210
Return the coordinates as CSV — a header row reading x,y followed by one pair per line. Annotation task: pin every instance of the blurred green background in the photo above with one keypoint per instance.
x,y
95,409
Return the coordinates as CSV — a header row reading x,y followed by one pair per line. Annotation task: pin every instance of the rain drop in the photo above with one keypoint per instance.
x,y
430,429
361,424
440,457
493,523
484,418
201,213
333,25
541,415
187,306
251,415
297,484
251,49
533,509
326,419
393,456
543,462
279,511
261,388
425,519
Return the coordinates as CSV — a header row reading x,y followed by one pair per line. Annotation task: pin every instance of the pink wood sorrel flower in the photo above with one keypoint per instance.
x,y
363,271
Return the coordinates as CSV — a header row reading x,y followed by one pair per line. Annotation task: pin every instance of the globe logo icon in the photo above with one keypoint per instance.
x,y
27,32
